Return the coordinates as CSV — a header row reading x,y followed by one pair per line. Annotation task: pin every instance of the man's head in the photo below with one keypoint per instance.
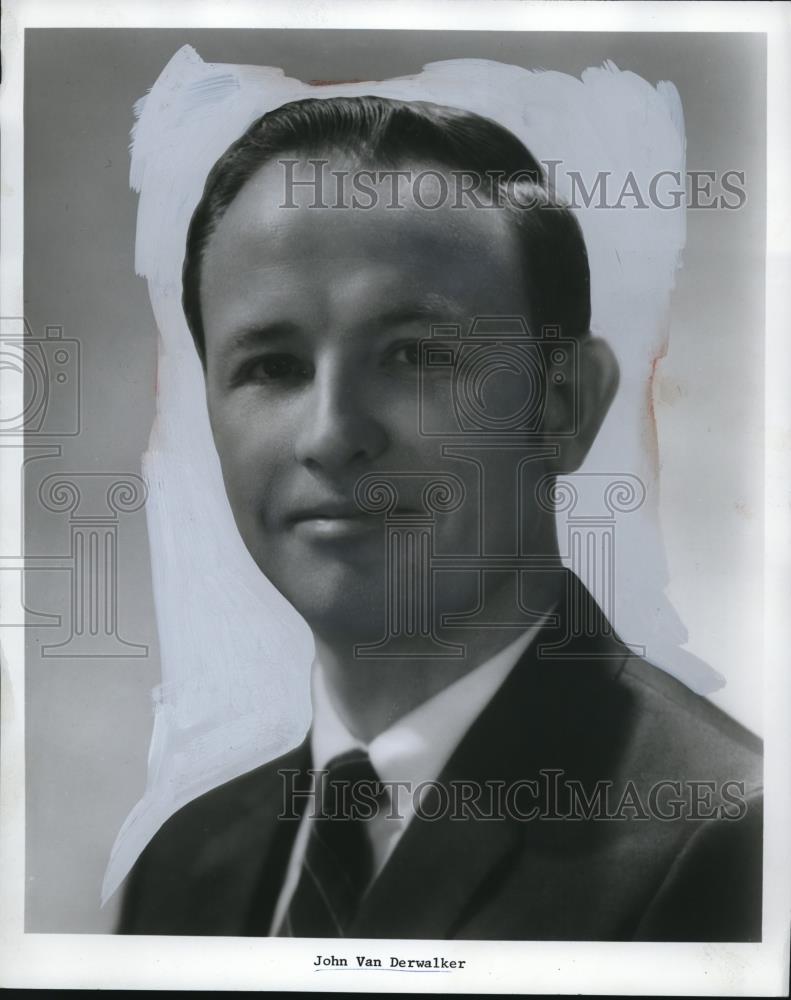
x,y
308,321
378,132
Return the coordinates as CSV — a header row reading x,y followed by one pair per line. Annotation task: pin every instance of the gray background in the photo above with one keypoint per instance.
x,y
89,721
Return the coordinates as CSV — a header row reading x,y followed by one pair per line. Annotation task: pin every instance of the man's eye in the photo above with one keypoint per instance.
x,y
276,368
407,354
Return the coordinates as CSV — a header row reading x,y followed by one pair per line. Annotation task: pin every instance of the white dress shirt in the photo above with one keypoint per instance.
x,y
414,749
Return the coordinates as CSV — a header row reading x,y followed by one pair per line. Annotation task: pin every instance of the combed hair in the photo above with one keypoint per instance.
x,y
390,134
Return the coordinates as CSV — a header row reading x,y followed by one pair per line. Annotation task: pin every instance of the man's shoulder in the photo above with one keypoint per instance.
x,y
593,701
199,871
229,804
683,731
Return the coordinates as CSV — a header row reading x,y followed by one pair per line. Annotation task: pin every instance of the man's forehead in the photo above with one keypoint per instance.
x,y
356,294
298,176
294,198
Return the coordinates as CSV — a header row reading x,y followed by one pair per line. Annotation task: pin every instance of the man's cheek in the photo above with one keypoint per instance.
x,y
243,481
238,444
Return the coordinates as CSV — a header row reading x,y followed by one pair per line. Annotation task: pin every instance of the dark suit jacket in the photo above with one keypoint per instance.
x,y
584,706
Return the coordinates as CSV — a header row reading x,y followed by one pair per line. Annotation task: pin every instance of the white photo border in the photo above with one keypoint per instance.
x,y
705,969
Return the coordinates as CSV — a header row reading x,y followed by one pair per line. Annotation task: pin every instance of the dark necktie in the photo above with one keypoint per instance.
x,y
338,862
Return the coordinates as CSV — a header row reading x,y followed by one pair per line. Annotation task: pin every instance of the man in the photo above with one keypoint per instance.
x,y
513,771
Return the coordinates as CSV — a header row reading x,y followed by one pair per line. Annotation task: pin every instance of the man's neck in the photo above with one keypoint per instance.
x,y
370,694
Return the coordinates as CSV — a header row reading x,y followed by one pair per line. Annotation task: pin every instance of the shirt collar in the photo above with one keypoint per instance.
x,y
417,746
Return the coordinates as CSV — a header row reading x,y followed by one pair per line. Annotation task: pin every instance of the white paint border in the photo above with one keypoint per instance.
x,y
445,15
91,961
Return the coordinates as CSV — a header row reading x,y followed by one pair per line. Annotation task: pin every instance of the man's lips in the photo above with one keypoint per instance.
x,y
334,523
331,510
337,521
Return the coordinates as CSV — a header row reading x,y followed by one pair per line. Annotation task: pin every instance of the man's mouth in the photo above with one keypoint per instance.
x,y
336,521
333,520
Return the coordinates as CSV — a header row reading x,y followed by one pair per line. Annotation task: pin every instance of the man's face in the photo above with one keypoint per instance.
x,y
312,318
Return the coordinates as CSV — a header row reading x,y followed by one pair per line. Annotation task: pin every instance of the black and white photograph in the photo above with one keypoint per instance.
x,y
395,450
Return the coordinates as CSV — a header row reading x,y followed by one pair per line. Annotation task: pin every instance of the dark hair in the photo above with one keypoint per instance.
x,y
390,133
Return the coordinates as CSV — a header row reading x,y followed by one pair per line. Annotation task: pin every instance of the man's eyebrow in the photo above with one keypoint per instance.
x,y
253,336
433,307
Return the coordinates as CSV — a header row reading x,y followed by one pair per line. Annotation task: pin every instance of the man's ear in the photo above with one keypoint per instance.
x,y
581,404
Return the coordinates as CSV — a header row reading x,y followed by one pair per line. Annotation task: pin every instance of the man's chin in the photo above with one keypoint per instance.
x,y
342,625
344,605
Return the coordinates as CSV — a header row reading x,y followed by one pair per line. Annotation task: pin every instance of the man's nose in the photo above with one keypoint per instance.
x,y
339,428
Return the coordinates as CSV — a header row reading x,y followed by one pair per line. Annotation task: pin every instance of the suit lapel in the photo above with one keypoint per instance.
x,y
240,871
542,717
433,878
